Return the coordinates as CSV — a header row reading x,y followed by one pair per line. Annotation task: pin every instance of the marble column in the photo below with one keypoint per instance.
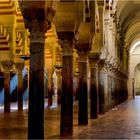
x,y
113,91
109,92
20,67
101,86
82,51
76,85
36,83
106,88
50,88
116,88
66,122
119,86
7,66
59,84
38,21
109,86
94,99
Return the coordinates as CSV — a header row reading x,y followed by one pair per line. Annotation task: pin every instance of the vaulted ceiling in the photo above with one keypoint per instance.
x,y
128,13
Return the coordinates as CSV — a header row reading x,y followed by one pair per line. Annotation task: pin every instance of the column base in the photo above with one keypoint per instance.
x,y
130,97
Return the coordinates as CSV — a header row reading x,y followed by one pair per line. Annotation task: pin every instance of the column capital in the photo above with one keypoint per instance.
x,y
93,58
19,66
37,36
35,21
67,46
6,66
67,42
101,65
58,72
82,56
82,50
36,17
40,10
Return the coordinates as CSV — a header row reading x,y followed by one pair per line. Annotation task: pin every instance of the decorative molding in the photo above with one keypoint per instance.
x,y
19,66
82,51
93,59
36,36
6,65
41,11
67,47
102,65
58,72
82,57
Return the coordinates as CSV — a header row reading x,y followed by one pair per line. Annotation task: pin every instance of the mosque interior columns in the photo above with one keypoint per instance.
x,y
35,20
82,50
94,96
20,67
84,53
66,122
6,67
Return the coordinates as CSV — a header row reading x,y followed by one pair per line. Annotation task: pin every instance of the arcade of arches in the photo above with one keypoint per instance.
x,y
84,50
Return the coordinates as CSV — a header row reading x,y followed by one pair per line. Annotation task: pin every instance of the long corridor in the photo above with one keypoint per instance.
x,y
122,122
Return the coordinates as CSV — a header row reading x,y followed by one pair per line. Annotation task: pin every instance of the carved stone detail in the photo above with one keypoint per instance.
x,y
58,72
82,56
82,50
6,65
101,65
67,47
93,59
19,66
37,36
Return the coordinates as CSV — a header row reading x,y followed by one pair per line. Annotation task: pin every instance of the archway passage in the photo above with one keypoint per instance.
x,y
134,67
137,80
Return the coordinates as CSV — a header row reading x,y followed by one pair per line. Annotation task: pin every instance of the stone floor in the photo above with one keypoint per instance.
x,y
122,122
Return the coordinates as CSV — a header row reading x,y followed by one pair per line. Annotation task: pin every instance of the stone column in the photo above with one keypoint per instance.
x,y
109,92
66,124
109,86
20,67
38,21
36,83
7,66
59,84
77,85
50,88
94,99
82,51
116,79
101,86
113,88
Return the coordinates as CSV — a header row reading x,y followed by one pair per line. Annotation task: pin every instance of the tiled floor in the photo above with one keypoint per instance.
x,y
122,122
